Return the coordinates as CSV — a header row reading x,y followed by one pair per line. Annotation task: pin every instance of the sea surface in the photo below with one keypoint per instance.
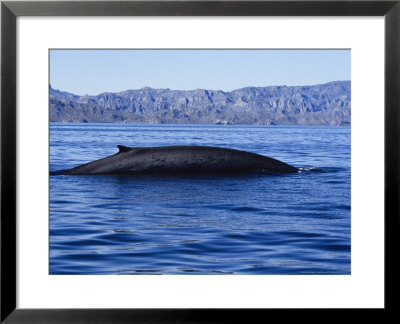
x,y
257,224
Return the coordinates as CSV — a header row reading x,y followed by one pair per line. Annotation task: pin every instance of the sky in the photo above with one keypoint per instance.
x,y
96,71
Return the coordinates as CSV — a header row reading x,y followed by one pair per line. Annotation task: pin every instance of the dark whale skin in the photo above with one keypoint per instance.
x,y
180,160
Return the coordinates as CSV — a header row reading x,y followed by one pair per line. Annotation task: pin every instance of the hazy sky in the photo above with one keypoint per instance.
x,y
95,71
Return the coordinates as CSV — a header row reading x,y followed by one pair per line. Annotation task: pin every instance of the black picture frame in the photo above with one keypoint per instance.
x,y
10,10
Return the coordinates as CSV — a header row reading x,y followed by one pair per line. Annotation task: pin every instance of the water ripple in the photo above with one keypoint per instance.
x,y
202,225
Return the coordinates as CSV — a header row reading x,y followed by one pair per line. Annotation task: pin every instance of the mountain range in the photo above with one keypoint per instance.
x,y
323,104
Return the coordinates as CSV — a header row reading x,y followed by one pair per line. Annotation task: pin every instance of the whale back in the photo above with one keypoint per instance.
x,y
181,159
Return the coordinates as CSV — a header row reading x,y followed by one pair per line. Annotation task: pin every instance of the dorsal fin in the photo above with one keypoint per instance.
x,y
123,148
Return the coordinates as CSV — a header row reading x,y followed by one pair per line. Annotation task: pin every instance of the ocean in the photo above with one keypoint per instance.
x,y
255,224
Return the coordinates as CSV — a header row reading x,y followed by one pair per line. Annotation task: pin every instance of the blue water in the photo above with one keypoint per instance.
x,y
247,224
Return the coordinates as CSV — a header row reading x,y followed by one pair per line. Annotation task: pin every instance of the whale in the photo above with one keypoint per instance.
x,y
180,160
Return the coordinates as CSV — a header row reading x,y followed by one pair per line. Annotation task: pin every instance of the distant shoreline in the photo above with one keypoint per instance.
x,y
326,104
235,125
